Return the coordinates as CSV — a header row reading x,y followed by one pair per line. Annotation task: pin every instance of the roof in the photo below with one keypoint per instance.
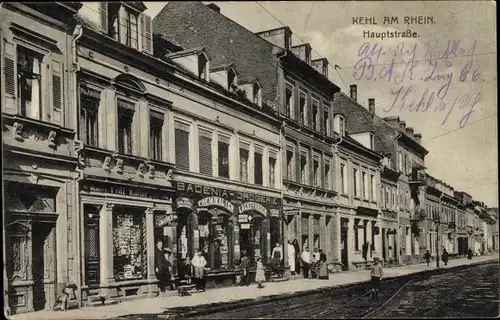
x,y
193,24
224,66
187,52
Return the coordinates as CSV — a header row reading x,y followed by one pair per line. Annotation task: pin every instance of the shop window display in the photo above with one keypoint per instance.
x,y
129,246
214,238
252,238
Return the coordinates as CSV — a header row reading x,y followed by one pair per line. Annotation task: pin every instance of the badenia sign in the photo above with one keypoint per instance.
x,y
216,201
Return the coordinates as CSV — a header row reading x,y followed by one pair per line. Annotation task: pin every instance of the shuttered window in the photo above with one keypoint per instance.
x,y
272,171
57,92
223,161
244,162
155,135
258,172
29,75
182,146
205,141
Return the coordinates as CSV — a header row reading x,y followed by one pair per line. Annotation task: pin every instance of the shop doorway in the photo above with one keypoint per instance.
x,y
44,262
344,244
252,238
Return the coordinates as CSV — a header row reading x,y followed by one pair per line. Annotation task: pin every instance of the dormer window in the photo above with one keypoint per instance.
x,y
202,67
339,125
257,94
372,141
231,80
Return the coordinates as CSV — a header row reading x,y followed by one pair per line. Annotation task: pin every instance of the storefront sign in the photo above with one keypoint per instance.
x,y
166,220
252,206
125,190
274,213
245,226
236,197
183,203
244,218
216,201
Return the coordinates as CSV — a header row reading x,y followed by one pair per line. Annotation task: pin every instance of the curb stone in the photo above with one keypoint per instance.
x,y
223,306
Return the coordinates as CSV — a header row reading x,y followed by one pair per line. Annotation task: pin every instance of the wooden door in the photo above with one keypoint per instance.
x,y
92,256
44,265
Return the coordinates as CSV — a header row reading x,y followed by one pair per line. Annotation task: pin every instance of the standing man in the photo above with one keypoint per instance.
x,y
161,267
199,264
427,257
306,262
376,273
245,266
445,257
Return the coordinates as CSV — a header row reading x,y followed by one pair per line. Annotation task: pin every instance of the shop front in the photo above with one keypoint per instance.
x,y
121,225
389,237
223,224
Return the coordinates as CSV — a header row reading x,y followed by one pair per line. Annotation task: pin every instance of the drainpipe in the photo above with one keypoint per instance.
x,y
77,34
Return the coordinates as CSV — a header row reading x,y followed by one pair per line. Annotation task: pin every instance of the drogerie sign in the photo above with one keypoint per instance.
x,y
216,201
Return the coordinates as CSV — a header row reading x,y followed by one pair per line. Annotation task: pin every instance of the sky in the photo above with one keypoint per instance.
x,y
442,83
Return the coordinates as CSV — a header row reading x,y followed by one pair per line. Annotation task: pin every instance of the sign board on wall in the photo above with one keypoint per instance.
x,y
245,226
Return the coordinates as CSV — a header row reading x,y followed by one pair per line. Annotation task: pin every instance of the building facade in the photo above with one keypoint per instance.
x,y
40,226
304,103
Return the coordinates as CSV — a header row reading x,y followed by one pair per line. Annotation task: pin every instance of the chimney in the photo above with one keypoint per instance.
x,y
281,37
321,65
409,131
354,92
402,126
418,137
371,105
214,7
303,51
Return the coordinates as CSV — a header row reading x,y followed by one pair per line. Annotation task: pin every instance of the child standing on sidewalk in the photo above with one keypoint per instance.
x,y
376,273
260,275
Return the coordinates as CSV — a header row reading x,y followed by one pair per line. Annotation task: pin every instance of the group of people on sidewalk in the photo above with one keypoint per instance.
x,y
194,269
445,256
313,265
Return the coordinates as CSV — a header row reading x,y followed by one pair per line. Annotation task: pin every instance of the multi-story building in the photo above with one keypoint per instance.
x,y
405,155
174,147
40,230
292,85
461,238
359,197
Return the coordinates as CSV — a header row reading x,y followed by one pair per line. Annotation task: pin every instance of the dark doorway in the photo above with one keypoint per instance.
x,y
344,244
384,252
92,256
43,263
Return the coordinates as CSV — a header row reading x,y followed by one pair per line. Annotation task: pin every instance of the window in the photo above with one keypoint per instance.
x,y
400,159
339,124
89,111
303,108
131,31
258,172
155,135
214,240
343,185
372,141
182,146
315,115
202,67
272,171
125,119
373,188
303,169
289,101
205,153
327,174
316,172
29,75
113,14
326,121
223,148
231,81
129,246
364,186
289,164
244,162
356,182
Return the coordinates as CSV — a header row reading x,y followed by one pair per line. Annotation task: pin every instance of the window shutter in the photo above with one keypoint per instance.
x,y
103,9
10,77
181,148
57,92
205,152
146,34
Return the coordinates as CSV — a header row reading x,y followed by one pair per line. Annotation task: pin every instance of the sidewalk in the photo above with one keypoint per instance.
x,y
160,304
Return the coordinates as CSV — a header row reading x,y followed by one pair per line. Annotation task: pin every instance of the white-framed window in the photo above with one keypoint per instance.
x,y
258,165
327,174
125,111
304,167
343,178
316,172
356,186
364,186
223,155
89,115
244,161
303,107
289,100
272,169
315,115
373,184
290,163
156,120
326,120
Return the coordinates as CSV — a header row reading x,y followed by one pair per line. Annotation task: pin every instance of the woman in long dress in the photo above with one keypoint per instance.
x,y
291,257
323,268
260,275
297,255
